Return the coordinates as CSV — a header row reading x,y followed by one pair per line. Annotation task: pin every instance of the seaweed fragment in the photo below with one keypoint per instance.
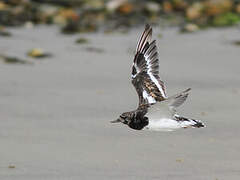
x,y
13,60
237,42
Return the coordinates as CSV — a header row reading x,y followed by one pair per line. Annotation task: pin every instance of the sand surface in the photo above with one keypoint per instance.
x,y
55,113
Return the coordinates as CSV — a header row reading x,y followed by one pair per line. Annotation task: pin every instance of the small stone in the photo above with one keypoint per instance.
x,y
190,28
216,7
94,4
179,4
38,53
179,160
125,8
58,19
94,49
29,25
71,27
65,15
114,4
167,7
69,14
194,11
153,7
238,8
48,10
4,32
3,6
82,41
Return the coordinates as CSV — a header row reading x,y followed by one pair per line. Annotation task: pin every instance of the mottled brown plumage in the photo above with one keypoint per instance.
x,y
145,70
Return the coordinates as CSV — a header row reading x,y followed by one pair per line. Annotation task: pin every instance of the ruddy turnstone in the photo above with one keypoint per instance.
x,y
155,111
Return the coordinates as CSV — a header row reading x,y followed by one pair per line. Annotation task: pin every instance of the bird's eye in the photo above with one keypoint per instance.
x,y
125,121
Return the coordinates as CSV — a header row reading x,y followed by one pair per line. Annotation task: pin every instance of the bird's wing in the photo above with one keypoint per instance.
x,y
145,70
167,108
178,99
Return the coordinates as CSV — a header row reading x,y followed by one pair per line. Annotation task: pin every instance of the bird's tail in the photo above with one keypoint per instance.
x,y
186,122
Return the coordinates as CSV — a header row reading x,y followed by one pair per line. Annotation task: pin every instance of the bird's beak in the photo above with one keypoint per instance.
x,y
116,121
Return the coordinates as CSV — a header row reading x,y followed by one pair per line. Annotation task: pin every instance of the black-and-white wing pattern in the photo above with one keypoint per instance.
x,y
145,70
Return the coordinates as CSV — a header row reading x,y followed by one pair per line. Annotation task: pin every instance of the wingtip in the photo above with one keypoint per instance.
x,y
188,89
147,26
199,124
145,37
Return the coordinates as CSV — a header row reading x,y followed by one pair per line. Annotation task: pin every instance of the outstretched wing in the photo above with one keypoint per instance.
x,y
178,99
145,70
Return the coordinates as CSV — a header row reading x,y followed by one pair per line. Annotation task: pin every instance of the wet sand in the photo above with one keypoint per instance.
x,y
55,113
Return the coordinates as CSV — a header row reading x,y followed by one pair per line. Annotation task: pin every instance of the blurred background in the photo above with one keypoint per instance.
x,y
65,74
75,16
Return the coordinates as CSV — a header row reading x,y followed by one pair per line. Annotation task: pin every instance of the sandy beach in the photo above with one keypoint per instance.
x,y
55,112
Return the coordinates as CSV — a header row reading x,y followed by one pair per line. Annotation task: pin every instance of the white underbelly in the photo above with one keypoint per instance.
x,y
160,118
163,124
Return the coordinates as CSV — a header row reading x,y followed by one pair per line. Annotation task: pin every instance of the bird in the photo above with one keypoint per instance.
x,y
156,111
